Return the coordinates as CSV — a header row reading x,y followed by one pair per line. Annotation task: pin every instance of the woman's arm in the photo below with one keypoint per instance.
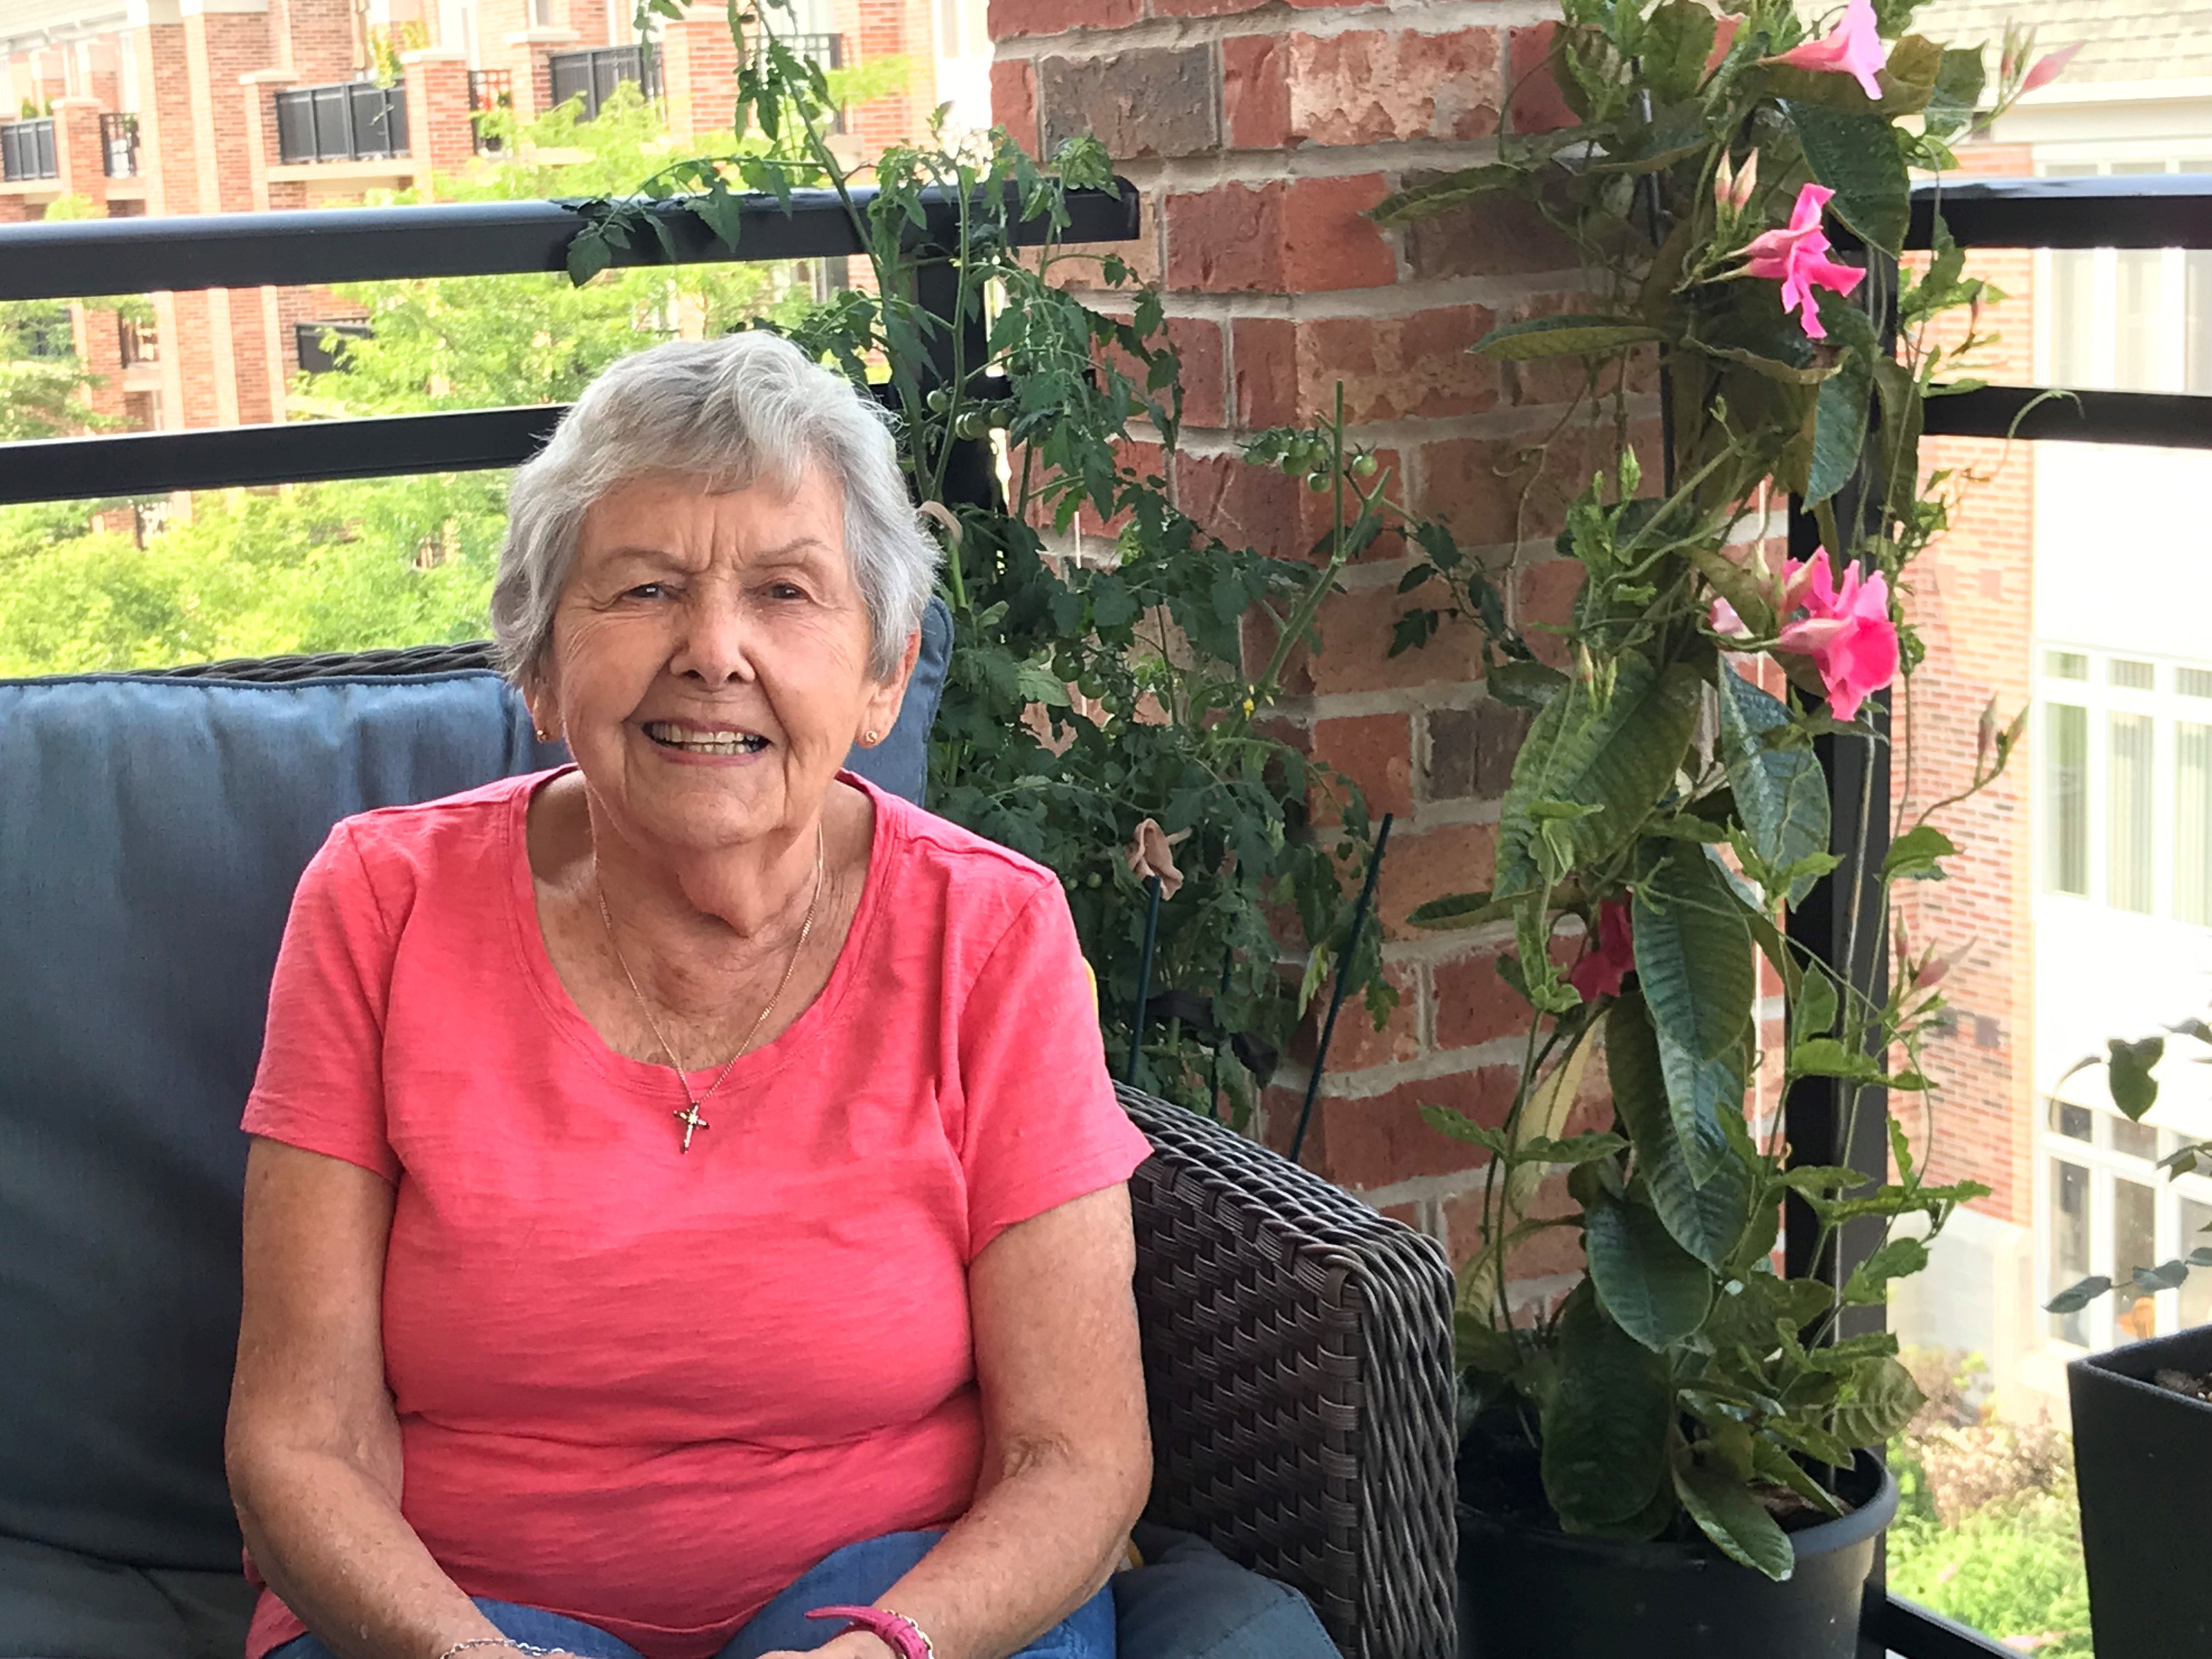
x,y
312,1446
1067,1458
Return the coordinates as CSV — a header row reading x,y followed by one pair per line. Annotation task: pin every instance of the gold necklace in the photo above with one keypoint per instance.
x,y
689,1118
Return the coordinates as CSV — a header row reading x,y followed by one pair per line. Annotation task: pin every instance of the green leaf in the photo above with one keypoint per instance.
x,y
1960,77
1564,336
1693,953
1435,196
1912,856
1737,1522
1617,755
1460,1126
1815,1013
1857,157
2164,1277
1573,1152
1781,793
2135,1090
1773,1464
1828,1057
1605,1429
1879,1398
1528,685
1677,41
1458,910
1654,1289
2079,1295
1706,1220
1812,1440
1900,1258
1698,1093
1839,428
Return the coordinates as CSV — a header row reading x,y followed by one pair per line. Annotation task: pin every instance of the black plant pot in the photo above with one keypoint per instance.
x,y
2142,1461
1529,1595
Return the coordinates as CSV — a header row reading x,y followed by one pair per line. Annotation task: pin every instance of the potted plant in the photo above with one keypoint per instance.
x,y
2142,1418
1678,1458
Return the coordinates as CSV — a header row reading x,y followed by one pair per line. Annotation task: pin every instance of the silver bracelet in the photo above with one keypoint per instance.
x,y
507,1643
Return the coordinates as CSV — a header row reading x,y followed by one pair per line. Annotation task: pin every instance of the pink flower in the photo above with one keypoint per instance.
x,y
1600,972
1846,631
1852,47
1797,257
1725,621
2050,67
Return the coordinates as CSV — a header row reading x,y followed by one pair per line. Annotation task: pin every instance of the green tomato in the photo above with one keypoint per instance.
x,y
971,423
1319,482
1363,466
938,401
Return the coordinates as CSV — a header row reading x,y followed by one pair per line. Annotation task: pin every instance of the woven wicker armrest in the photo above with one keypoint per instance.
x,y
1297,1354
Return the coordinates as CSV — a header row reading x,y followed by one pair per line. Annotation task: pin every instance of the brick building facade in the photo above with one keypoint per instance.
x,y
180,106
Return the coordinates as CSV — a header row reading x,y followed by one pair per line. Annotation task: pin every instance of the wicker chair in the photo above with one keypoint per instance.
x,y
1298,1347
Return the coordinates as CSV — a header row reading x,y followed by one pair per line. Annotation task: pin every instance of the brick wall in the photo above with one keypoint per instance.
x,y
1259,136
1972,600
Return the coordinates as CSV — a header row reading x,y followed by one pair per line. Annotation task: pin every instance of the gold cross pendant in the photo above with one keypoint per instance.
x,y
689,1118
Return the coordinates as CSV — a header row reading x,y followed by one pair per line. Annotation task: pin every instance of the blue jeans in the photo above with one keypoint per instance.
x,y
852,1577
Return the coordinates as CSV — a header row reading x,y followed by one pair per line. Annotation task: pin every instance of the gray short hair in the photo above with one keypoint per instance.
x,y
728,411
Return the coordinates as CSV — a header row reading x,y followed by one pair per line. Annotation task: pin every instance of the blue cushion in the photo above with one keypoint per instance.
x,y
152,833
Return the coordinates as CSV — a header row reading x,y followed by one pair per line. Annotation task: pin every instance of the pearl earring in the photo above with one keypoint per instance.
x,y
868,737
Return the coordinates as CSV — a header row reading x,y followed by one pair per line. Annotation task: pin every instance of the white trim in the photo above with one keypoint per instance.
x,y
215,8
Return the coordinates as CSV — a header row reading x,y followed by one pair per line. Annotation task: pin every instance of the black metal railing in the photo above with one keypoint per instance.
x,y
351,121
88,259
488,90
27,150
119,145
593,76
2135,211
320,347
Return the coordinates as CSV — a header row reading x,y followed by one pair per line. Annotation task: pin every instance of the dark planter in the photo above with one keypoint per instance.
x,y
1530,1594
2142,1460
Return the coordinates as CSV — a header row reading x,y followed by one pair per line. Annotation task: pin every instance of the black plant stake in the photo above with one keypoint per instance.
x,y
1343,976
1144,975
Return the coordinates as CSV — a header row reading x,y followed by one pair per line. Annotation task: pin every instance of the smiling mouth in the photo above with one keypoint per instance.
x,y
693,741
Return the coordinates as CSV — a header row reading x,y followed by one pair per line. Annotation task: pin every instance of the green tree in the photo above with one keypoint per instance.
x,y
356,565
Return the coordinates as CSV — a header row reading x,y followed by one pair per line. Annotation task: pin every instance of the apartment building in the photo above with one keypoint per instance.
x,y
2071,584
185,106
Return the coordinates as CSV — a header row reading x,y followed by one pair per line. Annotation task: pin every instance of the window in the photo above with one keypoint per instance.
x,y
2197,1289
2066,665
2131,675
2131,873
2072,1121
2069,1245
2068,816
2192,823
2193,682
2134,1244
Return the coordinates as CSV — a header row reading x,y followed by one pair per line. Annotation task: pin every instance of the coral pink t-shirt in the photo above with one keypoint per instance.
x,y
648,1389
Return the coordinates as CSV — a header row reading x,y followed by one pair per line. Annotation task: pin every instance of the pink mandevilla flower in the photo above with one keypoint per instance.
x,y
2049,67
1853,47
1797,257
1598,974
1845,630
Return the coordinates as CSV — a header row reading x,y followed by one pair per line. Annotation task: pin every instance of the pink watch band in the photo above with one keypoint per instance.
x,y
901,1634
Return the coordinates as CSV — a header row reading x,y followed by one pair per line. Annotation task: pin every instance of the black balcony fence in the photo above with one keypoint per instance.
x,y
827,50
320,347
119,145
489,90
351,121
593,76
137,342
27,150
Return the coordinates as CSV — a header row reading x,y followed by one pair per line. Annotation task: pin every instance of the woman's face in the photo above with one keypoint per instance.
x,y
708,664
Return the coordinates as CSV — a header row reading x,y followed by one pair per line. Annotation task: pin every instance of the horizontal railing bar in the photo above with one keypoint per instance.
x,y
2149,420
2138,210
84,258
286,451
1911,1631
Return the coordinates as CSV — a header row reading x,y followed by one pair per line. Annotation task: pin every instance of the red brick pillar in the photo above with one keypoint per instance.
x,y
1260,137
80,157
168,159
439,132
877,29
534,79
221,46
699,72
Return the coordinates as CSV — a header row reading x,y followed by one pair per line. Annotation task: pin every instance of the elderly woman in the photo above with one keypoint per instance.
x,y
687,1194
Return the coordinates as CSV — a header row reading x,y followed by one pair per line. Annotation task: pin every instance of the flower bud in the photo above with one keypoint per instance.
x,y
1986,735
1724,185
1745,182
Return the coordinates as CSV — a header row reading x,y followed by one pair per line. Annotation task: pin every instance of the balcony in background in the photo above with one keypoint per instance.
x,y
27,150
118,144
593,76
352,121
489,90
